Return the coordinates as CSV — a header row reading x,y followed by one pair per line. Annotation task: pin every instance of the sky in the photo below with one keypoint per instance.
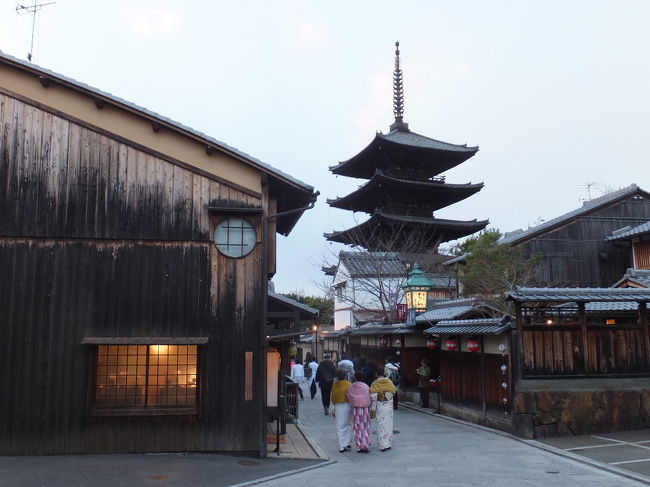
x,y
556,94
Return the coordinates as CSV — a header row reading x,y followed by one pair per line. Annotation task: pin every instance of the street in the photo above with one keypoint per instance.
x,y
429,450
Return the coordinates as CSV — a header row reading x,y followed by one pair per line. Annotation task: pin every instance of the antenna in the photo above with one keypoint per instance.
x,y
588,186
31,9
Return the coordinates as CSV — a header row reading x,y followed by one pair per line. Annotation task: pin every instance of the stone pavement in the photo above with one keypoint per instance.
x,y
431,450
625,451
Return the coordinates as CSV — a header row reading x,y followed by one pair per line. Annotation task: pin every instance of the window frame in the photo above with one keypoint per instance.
x,y
96,410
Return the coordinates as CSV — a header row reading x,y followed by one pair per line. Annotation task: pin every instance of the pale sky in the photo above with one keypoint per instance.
x,y
556,94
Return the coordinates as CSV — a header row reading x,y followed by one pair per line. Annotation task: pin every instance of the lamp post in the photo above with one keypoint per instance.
x,y
416,290
314,329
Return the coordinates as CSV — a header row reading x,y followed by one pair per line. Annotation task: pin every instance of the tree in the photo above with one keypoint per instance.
x,y
491,268
324,305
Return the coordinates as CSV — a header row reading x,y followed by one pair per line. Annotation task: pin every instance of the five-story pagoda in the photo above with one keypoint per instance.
x,y
404,188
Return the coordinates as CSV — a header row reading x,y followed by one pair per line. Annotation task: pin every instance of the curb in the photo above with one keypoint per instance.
x,y
322,455
536,444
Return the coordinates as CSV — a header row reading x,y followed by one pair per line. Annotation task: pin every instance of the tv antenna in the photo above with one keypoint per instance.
x,y
31,9
587,187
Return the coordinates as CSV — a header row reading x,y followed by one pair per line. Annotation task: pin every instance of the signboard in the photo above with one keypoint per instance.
x,y
411,317
402,312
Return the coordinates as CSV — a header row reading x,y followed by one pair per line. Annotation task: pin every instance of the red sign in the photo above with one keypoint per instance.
x,y
402,312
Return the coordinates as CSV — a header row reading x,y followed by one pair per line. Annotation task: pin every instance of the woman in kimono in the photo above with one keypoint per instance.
x,y
341,411
359,398
381,393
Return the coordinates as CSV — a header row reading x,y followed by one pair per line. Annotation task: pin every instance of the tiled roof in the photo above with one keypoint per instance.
x,y
381,329
577,294
293,303
587,207
413,139
627,233
450,309
373,264
120,101
637,276
481,326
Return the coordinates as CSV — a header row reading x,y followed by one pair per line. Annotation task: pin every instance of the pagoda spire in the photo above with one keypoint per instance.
x,y
398,95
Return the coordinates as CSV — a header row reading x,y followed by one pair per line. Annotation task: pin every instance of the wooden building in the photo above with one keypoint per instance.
x,y
578,248
134,255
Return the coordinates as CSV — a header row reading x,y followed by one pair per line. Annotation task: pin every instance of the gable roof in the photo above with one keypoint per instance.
x,y
641,277
372,264
479,326
452,309
299,193
588,207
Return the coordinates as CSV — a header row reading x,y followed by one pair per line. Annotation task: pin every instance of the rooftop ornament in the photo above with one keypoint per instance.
x,y
398,95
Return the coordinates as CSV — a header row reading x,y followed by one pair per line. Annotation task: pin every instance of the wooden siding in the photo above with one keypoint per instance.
x,y
460,373
642,255
578,255
98,238
559,351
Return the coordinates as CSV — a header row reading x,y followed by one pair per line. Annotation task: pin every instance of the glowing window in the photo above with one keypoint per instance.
x,y
146,376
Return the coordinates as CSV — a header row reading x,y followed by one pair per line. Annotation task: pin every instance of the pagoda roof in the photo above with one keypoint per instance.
x,y
429,194
407,150
383,231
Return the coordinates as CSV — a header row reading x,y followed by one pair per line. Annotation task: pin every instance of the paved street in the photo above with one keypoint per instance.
x,y
433,451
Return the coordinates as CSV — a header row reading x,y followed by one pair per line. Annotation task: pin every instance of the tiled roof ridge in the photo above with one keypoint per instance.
x,y
585,208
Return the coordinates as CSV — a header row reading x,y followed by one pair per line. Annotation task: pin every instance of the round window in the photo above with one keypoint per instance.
x,y
235,237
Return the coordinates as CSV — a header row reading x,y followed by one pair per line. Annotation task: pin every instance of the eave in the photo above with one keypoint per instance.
x,y
432,195
431,156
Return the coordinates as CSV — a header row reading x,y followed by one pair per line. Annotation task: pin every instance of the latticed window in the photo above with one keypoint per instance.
x,y
146,376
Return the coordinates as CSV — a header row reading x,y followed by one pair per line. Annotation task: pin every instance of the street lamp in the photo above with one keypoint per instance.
x,y
416,290
314,330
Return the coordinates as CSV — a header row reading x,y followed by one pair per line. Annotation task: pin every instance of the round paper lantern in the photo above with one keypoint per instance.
x,y
398,342
432,343
452,344
473,345
383,342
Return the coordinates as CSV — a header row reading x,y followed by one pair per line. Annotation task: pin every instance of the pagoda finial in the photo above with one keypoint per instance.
x,y
398,89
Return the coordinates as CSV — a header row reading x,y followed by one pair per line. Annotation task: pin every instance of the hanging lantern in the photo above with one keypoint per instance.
x,y
383,341
473,345
293,350
452,344
432,343
398,342
416,290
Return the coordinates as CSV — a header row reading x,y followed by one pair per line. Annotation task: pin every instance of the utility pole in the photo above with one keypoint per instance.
x,y
32,9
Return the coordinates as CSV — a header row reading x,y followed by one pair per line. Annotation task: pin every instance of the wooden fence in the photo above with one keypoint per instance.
x,y
615,350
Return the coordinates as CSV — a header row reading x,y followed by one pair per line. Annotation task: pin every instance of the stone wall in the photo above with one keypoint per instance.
x,y
580,406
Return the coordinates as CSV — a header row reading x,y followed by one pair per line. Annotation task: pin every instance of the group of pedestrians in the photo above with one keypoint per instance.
x,y
355,403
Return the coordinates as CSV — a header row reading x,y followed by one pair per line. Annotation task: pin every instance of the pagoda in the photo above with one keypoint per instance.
x,y
404,188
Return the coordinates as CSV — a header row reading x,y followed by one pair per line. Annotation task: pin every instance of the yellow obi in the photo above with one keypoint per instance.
x,y
339,390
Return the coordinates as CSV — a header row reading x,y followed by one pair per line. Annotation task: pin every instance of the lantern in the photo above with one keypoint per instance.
x,y
398,342
473,345
452,344
432,343
416,290
383,341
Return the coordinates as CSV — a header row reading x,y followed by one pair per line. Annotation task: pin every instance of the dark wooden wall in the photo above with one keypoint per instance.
x,y
98,238
610,350
462,382
577,254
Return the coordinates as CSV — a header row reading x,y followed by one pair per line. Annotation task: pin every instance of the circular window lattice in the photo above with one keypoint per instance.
x,y
235,237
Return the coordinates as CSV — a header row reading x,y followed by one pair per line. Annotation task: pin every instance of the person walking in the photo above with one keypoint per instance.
x,y
325,377
347,366
341,411
313,366
424,371
359,398
298,376
392,371
382,391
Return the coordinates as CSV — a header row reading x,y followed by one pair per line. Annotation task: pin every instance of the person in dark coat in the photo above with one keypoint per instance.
x,y
369,372
325,375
